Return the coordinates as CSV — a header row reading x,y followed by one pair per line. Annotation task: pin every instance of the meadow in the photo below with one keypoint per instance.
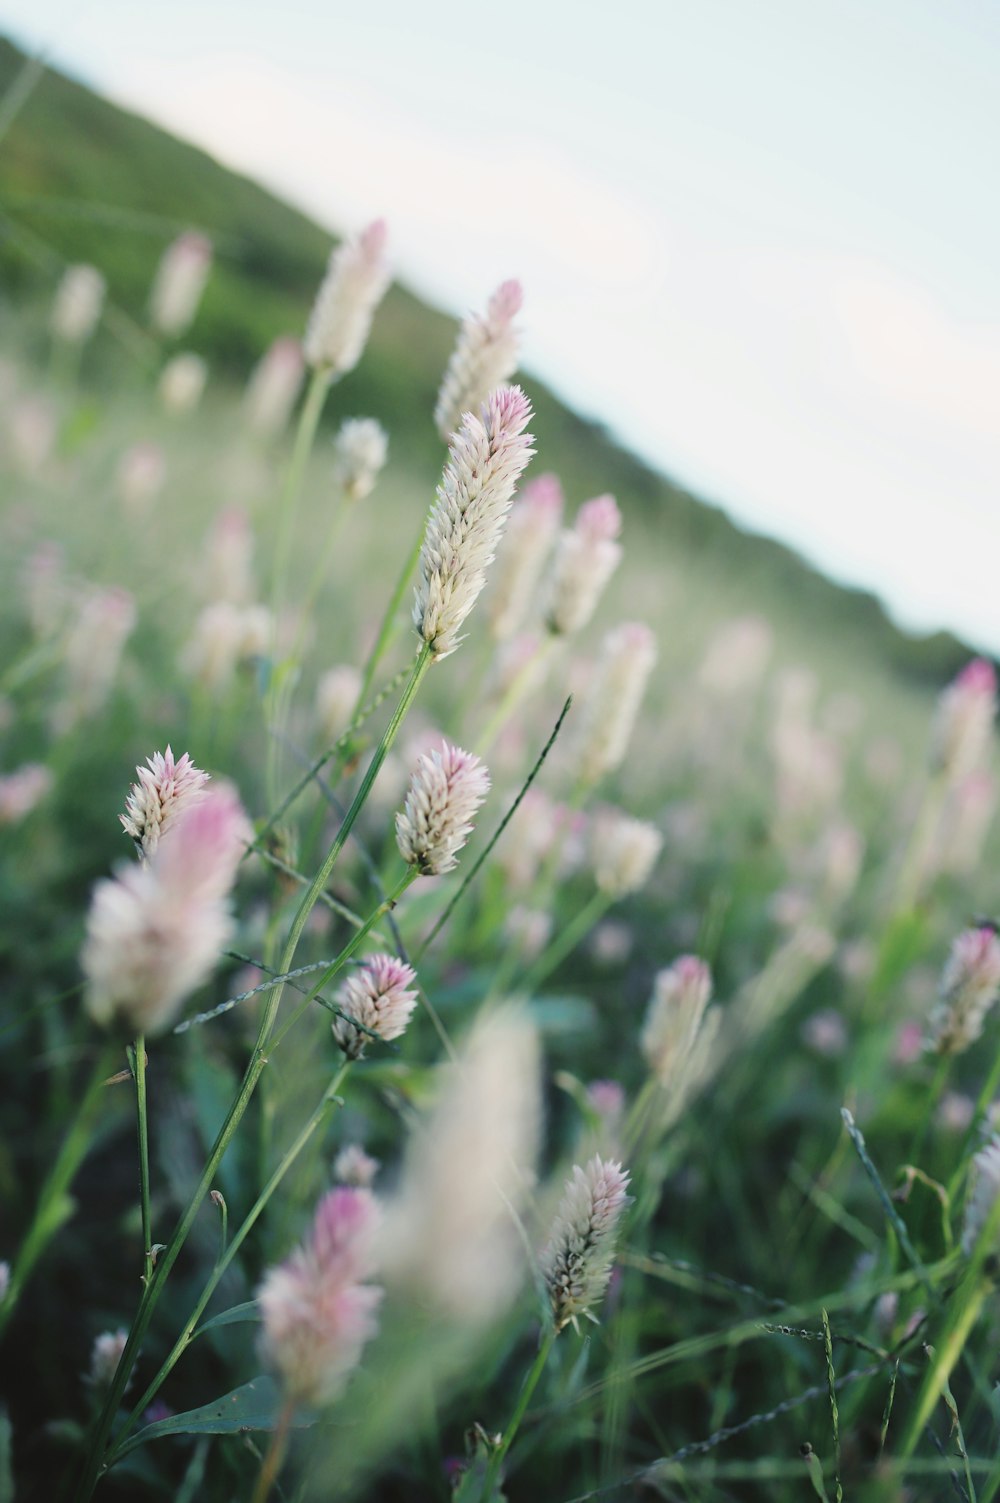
x,y
550,1055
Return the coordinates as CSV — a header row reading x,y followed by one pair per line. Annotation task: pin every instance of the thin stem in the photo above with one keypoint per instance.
x,y
934,1095
305,435
138,1063
524,1399
275,1454
516,691
566,941
188,1333
388,622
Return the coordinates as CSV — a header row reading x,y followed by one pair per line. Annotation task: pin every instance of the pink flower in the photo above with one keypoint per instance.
x,y
970,984
180,282
379,997
964,724
21,790
446,790
164,790
484,356
355,283
586,557
318,1312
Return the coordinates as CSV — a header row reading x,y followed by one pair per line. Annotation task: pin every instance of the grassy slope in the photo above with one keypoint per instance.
x,y
83,180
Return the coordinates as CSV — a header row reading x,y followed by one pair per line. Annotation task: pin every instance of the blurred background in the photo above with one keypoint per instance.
x,y
758,244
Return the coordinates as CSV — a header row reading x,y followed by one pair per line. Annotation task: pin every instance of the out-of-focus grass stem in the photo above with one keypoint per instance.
x,y
137,1060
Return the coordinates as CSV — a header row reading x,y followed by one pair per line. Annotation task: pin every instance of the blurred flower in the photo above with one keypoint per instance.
x,y
451,1234
680,995
484,357
226,635
155,932
485,461
841,856
984,1187
607,1098
737,656
93,652
379,996
577,1259
355,283
22,790
970,984
273,387
970,813
531,532
624,852
142,471
78,303
955,1112
909,1043
528,930
586,557
611,705
164,791
353,1166
105,1356
179,283
612,942
317,1309
229,558
182,382
963,729
336,695
825,1032
445,792
359,453
46,589
31,429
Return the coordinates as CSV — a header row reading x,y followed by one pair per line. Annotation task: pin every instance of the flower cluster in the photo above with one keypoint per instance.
x,y
577,1259
355,283
445,792
484,357
380,997
165,789
970,984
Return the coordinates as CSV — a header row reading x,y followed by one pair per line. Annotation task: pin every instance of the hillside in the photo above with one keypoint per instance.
x,y
81,179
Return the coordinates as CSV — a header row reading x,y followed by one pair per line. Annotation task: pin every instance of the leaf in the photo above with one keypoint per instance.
x,y
255,1406
6,1466
250,1310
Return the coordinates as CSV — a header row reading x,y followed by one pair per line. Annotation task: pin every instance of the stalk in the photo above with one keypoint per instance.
x,y
524,1399
138,1063
566,941
388,623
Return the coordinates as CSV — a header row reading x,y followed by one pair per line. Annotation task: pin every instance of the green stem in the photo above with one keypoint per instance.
x,y
275,1454
305,435
388,623
566,941
524,1399
516,691
54,1205
934,1095
969,1302
187,1335
138,1063
918,852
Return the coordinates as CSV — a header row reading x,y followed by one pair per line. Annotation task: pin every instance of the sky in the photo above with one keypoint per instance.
x,y
759,241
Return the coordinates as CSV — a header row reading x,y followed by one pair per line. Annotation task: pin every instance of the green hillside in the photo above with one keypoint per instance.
x,y
83,180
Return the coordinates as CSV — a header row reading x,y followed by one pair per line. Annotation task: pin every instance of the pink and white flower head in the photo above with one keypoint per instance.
x,y
78,304
166,788
628,657
484,357
680,995
355,283
179,283
360,450
22,790
531,532
317,1309
182,382
963,729
984,1187
577,1259
274,387
380,996
970,985
485,462
624,852
353,1166
336,696
586,557
446,791
93,652
226,636
105,1356
155,932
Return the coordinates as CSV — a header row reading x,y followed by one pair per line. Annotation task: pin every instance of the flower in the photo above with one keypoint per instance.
x,y
154,932
318,1312
336,696
274,386
624,852
964,724
78,304
21,790
576,1261
353,1166
93,651
182,382
680,995
628,656
531,532
179,283
485,461
984,1187
355,283
586,557
446,790
105,1356
359,452
970,984
485,355
164,790
379,997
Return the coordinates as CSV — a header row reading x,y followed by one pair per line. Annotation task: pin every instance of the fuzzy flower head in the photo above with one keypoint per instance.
x,y
587,555
182,382
22,790
105,1356
624,852
93,652
155,932
336,696
142,471
984,1187
359,453
353,1166
484,357
970,984
680,996
318,1312
446,790
628,656
379,995
180,282
355,283
531,533
485,462
78,304
165,789
964,725
274,387
577,1259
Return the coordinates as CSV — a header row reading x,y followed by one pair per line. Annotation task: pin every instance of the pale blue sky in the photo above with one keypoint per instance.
x,y
759,240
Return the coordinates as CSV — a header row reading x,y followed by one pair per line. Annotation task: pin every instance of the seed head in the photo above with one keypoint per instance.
x,y
164,790
624,852
628,656
380,997
273,387
586,557
970,984
445,792
355,283
180,282
484,356
359,452
78,304
531,532
577,1259
680,996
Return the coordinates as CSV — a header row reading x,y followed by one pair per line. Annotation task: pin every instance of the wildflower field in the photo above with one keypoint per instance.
x,y
497,968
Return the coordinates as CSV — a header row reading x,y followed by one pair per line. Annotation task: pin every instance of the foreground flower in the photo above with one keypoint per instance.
x,y
680,996
155,932
485,462
624,852
576,1261
380,997
485,355
359,453
446,790
78,304
984,1187
318,1312
970,984
628,656
586,557
355,283
180,282
164,791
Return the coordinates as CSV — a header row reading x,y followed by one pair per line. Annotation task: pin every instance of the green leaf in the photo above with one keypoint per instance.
x,y
255,1406
6,1466
250,1310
